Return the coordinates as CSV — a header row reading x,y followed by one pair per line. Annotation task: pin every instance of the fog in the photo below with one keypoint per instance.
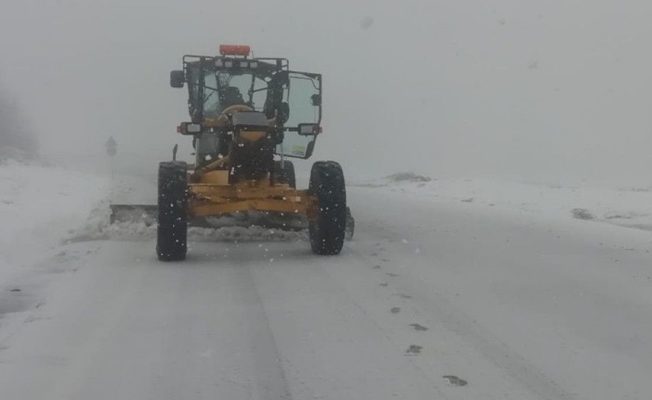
x,y
527,90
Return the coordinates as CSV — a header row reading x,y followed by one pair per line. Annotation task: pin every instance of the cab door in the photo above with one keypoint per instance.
x,y
302,92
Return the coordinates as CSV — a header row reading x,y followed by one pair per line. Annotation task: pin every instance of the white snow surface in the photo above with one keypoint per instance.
x,y
39,206
451,289
629,206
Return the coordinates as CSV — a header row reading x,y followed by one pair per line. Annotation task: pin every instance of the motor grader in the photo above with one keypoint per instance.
x,y
247,115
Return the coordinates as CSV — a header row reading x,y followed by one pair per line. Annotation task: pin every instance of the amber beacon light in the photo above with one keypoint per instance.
x,y
235,50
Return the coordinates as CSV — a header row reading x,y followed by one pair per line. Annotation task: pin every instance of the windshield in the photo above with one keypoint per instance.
x,y
222,89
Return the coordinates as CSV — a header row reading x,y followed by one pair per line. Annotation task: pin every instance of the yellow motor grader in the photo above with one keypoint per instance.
x,y
247,115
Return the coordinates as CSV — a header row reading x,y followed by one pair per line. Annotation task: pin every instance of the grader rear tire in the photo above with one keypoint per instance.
x,y
172,231
328,230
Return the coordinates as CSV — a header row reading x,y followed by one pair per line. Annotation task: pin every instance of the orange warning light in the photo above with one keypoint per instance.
x,y
234,50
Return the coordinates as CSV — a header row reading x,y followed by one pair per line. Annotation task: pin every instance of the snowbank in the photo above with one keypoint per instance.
x,y
623,206
407,177
39,205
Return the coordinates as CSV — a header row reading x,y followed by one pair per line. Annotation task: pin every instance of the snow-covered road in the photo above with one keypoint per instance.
x,y
434,299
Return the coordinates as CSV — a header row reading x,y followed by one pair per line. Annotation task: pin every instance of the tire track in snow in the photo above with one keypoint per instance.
x,y
435,309
318,274
73,380
499,353
271,381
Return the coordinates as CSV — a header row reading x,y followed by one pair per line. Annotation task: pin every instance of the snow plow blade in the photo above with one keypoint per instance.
x,y
148,214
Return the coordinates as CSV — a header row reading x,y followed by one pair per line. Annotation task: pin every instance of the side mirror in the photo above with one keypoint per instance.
x,y
309,129
315,100
188,128
177,79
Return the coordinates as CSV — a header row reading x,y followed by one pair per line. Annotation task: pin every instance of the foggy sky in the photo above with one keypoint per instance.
x,y
531,90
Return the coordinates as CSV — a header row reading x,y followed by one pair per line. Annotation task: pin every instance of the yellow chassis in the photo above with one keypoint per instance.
x,y
214,196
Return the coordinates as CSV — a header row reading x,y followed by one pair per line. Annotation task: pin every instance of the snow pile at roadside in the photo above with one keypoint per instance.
x,y
38,207
623,206
16,157
97,227
407,177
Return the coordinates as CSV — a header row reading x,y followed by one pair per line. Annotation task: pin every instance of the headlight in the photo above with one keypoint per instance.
x,y
188,128
193,128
